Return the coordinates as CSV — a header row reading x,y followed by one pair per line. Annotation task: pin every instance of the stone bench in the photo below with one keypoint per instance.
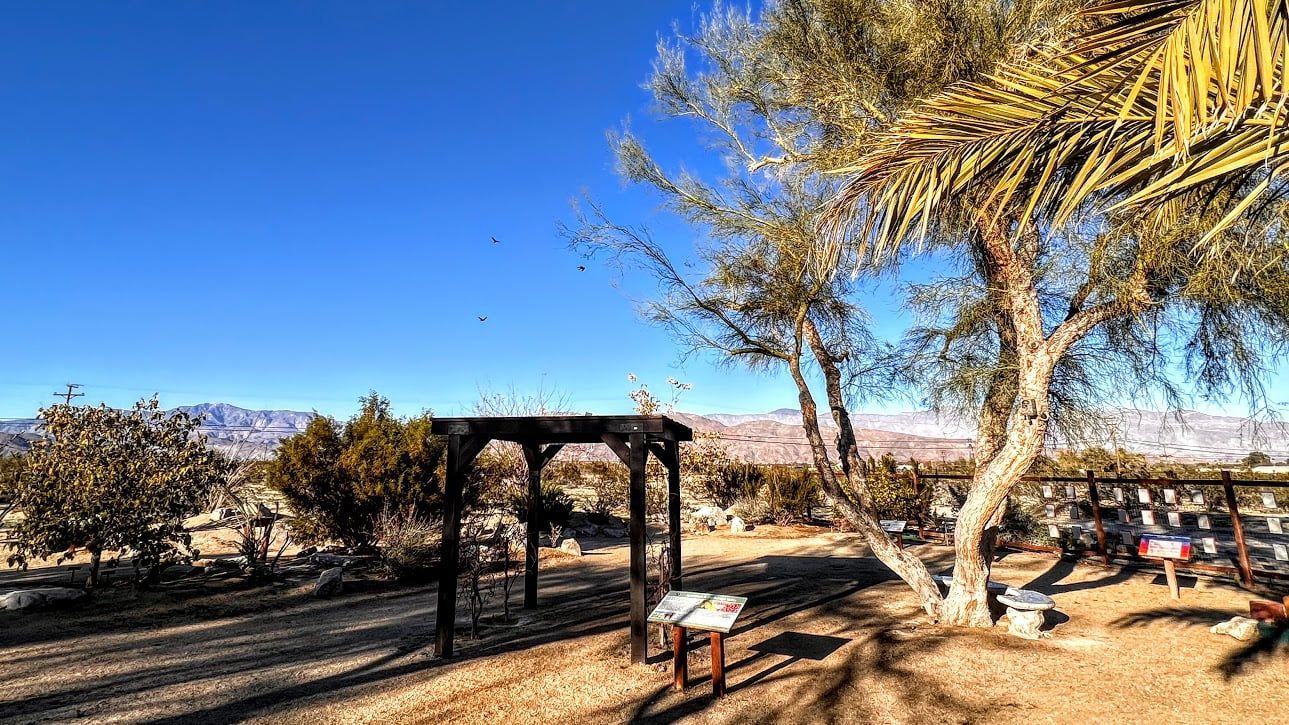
x,y
1025,612
993,586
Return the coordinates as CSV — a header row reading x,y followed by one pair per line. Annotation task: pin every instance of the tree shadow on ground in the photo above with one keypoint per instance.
x,y
1272,644
294,647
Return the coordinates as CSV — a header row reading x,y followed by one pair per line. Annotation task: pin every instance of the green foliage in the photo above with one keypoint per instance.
x,y
893,494
790,493
733,482
338,478
609,481
554,506
113,480
1256,458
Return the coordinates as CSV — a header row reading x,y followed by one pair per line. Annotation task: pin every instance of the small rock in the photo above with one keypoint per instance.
x,y
737,526
570,546
330,583
710,515
306,552
323,559
27,599
1241,628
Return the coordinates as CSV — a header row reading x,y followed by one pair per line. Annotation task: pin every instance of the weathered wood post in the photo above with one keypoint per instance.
x,y
532,546
679,658
637,533
1095,499
1170,573
673,511
449,550
917,496
1246,569
718,664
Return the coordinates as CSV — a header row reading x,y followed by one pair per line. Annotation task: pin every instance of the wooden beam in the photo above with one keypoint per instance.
x,y
679,658
457,467
662,452
1241,547
673,510
636,533
471,447
718,664
549,453
1095,499
618,446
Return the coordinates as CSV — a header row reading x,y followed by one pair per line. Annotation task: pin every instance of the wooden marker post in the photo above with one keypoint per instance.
x,y
1170,573
679,658
1170,549
718,664
714,613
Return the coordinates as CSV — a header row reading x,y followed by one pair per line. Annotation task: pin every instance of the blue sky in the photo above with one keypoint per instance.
x,y
288,204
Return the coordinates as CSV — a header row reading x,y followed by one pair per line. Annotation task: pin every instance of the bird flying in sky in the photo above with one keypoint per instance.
x,y
483,318
496,240
581,267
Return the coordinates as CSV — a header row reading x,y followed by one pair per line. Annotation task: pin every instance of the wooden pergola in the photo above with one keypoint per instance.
x,y
631,437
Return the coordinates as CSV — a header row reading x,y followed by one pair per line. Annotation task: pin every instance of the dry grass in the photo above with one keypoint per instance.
x,y
863,651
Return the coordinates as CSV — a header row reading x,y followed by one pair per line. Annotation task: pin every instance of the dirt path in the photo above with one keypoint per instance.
x,y
828,636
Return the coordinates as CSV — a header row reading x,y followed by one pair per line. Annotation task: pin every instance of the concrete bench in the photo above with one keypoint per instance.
x,y
1025,612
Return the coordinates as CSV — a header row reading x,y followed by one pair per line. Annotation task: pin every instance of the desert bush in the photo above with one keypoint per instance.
x,y
732,482
893,493
610,484
408,543
338,478
791,493
255,525
113,480
553,508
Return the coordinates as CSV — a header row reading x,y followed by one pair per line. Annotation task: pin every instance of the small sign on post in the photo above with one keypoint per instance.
x,y
714,613
896,529
1170,549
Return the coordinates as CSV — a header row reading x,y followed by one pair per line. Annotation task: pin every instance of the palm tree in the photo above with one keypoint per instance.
x,y
1136,105
1150,132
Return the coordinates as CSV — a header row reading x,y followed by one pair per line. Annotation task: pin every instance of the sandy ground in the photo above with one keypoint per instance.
x,y
828,636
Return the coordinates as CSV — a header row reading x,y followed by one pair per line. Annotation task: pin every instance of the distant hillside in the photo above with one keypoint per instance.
x,y
776,436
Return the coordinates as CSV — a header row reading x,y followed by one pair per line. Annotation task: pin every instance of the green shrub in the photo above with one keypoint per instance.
x,y
339,478
554,506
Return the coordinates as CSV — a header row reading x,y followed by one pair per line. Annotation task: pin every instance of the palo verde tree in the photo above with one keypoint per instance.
x,y
113,480
1111,219
340,477
778,96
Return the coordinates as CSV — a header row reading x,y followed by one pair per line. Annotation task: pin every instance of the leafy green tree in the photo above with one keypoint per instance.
x,y
1256,458
113,480
338,478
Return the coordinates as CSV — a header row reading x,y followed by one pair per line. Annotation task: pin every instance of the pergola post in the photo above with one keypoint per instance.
x,y
533,456
536,457
636,533
673,510
462,451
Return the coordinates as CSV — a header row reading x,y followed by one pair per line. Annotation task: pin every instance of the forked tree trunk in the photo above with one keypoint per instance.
x,y
859,509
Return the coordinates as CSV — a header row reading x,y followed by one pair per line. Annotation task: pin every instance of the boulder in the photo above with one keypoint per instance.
x,y
330,583
614,533
28,599
570,546
1241,628
737,525
710,515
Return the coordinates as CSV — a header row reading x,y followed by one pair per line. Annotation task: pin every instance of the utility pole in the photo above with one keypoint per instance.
x,y
71,393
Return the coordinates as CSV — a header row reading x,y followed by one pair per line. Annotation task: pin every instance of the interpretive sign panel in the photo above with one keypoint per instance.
x,y
894,527
696,610
1165,547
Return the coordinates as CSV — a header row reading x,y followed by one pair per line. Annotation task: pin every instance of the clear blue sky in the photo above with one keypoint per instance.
x,y
287,204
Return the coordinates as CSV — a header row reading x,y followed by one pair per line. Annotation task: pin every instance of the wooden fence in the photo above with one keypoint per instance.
x,y
1238,527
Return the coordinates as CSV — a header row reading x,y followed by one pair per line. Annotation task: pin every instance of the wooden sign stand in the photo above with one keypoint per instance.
x,y
1170,573
680,660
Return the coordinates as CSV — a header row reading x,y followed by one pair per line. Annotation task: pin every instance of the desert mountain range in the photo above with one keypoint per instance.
x,y
776,436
